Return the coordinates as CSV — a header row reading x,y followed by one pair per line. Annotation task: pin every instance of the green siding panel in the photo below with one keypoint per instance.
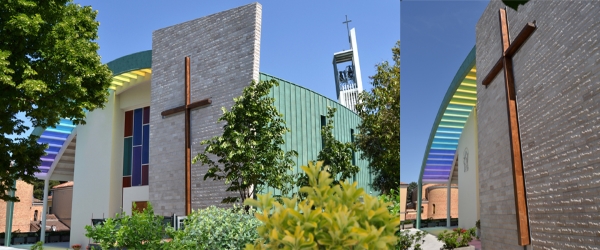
x,y
302,109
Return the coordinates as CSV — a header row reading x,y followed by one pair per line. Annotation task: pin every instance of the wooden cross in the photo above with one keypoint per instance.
x,y
187,107
505,62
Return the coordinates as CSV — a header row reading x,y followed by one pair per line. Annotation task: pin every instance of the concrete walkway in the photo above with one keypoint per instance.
x,y
47,246
431,242
437,230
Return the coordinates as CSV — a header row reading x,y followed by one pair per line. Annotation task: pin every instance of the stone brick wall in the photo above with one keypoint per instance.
x,y
224,50
438,196
23,211
557,83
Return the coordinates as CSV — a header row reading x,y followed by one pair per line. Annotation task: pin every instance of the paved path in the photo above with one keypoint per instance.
x,y
47,246
431,242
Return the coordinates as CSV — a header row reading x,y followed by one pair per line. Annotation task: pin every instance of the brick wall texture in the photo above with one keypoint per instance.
x,y
23,212
437,194
224,50
557,79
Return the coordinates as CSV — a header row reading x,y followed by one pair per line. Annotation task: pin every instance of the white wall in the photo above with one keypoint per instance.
x,y
99,161
135,97
132,194
97,151
468,174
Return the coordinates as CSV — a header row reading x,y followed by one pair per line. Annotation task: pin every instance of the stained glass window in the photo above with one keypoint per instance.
x,y
136,147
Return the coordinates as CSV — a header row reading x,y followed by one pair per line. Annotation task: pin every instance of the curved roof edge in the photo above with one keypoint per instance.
x,y
462,72
312,91
143,60
135,61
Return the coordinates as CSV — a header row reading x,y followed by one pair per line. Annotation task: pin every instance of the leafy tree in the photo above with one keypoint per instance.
x,y
249,150
409,191
335,155
38,188
514,4
379,131
49,69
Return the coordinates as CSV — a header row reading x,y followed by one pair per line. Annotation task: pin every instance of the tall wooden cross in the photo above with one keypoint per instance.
x,y
187,107
505,62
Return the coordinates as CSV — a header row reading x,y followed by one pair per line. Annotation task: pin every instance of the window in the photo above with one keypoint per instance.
x,y
353,154
422,208
323,124
136,147
433,208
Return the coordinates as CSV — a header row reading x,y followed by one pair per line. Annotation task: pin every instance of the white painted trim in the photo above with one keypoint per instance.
x,y
355,60
60,153
44,211
454,159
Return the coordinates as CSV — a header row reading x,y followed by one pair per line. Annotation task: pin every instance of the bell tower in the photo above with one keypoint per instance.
x,y
346,69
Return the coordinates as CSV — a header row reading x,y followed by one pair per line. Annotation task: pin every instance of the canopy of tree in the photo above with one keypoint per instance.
x,y
49,69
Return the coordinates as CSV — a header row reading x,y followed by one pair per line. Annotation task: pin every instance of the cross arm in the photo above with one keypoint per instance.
x,y
200,103
495,70
510,51
182,108
521,38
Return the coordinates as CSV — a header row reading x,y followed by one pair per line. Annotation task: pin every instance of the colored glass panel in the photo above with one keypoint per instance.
x,y
137,127
126,181
144,175
145,144
136,168
129,123
146,119
127,156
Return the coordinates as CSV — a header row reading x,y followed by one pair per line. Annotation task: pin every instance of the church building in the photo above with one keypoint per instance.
x,y
133,150
519,128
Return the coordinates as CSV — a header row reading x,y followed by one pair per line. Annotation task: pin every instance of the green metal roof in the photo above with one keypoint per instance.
x,y
303,111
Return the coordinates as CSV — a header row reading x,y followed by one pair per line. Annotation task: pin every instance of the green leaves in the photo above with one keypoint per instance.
x,y
49,69
458,237
335,154
379,131
331,217
249,150
216,228
141,230
514,4
410,240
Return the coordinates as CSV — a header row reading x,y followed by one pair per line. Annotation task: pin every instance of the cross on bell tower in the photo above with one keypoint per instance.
x,y
346,70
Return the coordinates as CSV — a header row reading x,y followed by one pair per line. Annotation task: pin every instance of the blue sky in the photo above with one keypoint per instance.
x,y
298,38
436,38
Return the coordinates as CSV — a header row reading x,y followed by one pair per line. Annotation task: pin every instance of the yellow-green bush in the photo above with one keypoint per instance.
x,y
338,217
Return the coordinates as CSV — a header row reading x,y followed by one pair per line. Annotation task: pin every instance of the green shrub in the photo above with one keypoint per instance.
x,y
394,199
141,230
331,217
216,228
458,237
409,240
37,246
